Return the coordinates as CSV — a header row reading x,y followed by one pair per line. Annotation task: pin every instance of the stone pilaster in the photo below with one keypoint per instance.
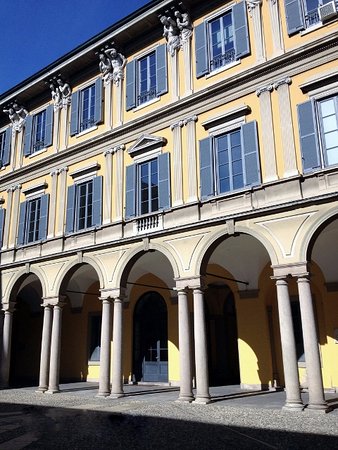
x,y
254,7
14,215
268,138
14,141
56,130
52,206
104,382
288,142
108,108
276,27
186,47
174,77
118,182
191,162
62,201
119,104
8,219
107,185
177,163
64,113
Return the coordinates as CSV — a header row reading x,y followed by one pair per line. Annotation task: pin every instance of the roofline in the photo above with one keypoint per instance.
x,y
95,41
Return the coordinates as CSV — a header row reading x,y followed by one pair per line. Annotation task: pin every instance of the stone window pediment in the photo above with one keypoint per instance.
x,y
146,145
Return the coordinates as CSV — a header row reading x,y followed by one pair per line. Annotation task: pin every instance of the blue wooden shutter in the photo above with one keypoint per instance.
x,y
161,70
22,223
98,101
241,30
97,201
164,181
201,50
49,125
131,85
43,223
2,224
7,147
206,168
294,16
308,135
74,117
70,214
131,191
27,142
250,153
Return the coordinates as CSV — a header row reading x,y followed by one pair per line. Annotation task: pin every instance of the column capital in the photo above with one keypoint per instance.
x,y
63,169
189,283
177,125
252,4
54,172
303,277
279,83
8,307
58,300
261,90
113,294
289,270
190,119
115,149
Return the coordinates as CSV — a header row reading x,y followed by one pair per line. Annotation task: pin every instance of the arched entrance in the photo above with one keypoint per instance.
x,y
150,355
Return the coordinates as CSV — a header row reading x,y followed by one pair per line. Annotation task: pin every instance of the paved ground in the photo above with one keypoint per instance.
x,y
149,418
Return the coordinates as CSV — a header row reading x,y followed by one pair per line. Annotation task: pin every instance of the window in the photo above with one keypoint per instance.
x,y
302,14
318,126
84,205
5,147
222,40
38,131
146,78
229,161
86,108
95,338
33,220
148,186
297,329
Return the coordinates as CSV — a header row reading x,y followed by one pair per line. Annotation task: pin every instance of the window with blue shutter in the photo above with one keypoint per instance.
x,y
86,109
148,186
33,220
302,14
229,161
318,132
146,78
222,40
84,205
38,131
5,147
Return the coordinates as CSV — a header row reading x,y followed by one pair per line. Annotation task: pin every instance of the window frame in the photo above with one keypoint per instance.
x,y
88,122
88,185
151,93
39,131
38,224
148,163
30,147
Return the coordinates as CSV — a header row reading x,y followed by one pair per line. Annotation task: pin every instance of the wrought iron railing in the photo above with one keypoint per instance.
x,y
39,145
312,18
87,123
146,96
222,60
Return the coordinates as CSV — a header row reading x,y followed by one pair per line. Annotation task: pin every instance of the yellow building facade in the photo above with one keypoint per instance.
x,y
168,205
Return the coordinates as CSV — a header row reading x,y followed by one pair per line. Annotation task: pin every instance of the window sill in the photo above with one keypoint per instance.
x,y
311,29
32,155
223,69
218,197
80,232
144,105
88,130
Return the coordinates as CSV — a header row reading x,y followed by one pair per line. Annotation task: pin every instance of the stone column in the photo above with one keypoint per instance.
x,y
107,186
108,104
6,344
52,205
62,201
288,142
190,123
15,215
104,382
276,29
8,219
290,364
2,318
118,182
254,7
186,47
45,348
117,382
268,138
186,394
54,368
201,351
177,163
311,349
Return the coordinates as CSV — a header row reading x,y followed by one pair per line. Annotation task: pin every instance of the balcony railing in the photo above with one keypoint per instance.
x,y
39,145
222,60
146,96
312,18
87,123
148,224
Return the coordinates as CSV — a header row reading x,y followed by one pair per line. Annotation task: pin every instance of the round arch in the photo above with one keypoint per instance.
x,y
19,275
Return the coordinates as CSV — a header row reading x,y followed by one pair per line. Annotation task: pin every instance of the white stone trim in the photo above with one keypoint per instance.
x,y
85,172
237,110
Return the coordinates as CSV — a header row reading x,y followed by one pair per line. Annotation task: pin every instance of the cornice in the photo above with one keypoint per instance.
x,y
248,81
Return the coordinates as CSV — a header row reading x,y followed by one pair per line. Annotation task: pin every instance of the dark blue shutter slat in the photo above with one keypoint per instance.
x,y
98,101
206,168
27,147
164,181
251,153
308,136
131,191
2,224
294,16
6,155
202,66
241,30
131,85
74,117
49,125
22,223
97,201
43,223
161,70
70,214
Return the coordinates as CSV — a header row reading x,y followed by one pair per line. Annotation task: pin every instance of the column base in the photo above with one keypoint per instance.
x,y
318,408
52,391
185,398
103,394
202,400
118,395
41,390
296,406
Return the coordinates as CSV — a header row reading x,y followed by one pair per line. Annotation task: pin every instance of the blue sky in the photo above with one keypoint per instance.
x,y
34,33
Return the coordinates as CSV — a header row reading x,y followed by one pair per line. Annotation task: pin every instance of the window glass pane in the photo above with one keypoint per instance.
x,y
332,156
84,205
331,139
238,181
327,107
224,185
330,123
